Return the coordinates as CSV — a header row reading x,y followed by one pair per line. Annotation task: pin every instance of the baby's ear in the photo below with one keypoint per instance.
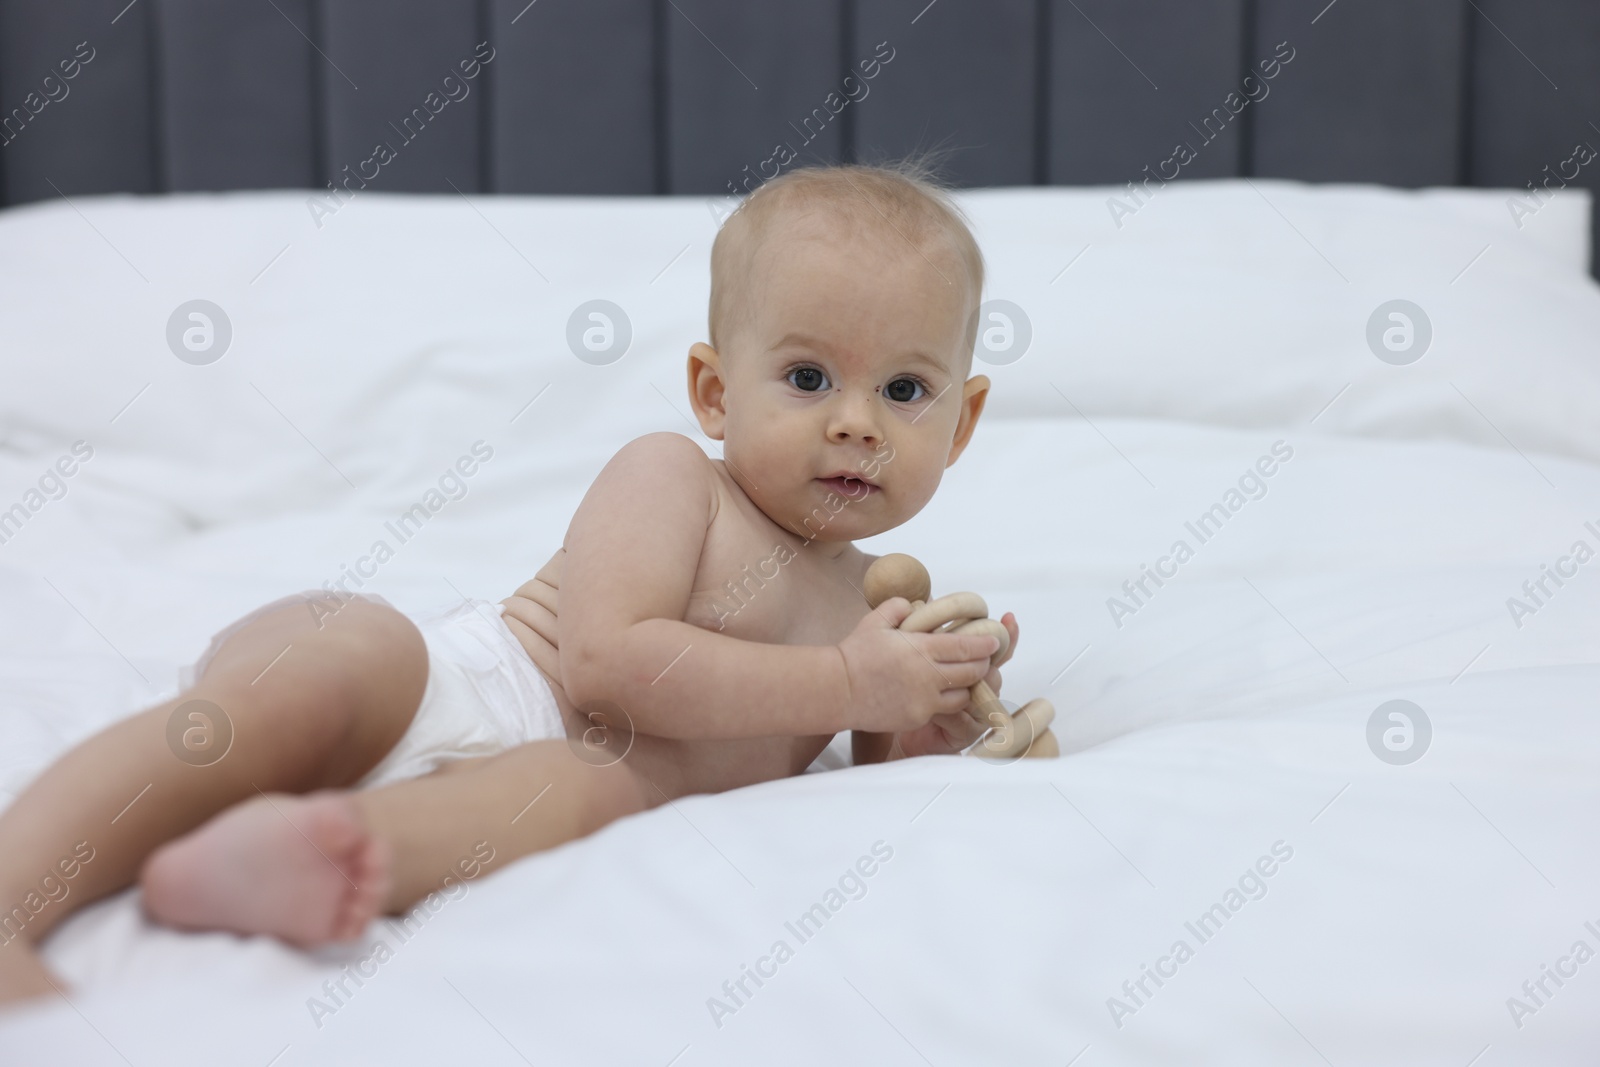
x,y
973,396
707,390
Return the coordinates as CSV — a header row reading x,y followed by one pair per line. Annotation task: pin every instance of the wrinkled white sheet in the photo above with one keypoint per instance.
x,y
1225,716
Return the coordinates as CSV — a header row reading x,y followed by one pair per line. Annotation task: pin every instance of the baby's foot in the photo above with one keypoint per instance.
x,y
304,869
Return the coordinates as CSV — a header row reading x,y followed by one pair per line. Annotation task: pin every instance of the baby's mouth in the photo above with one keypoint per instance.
x,y
849,488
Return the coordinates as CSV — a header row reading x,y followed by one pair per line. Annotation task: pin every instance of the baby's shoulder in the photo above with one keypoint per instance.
x,y
667,449
661,464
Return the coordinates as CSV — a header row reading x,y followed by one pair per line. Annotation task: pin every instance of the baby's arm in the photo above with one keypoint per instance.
x,y
632,553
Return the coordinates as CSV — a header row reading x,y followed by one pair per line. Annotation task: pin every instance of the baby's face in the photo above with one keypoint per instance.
x,y
846,354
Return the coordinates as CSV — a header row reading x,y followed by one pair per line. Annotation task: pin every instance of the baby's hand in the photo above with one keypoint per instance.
x,y
947,734
900,681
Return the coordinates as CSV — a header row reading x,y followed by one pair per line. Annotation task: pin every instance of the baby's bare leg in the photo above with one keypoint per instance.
x,y
530,798
249,870
320,717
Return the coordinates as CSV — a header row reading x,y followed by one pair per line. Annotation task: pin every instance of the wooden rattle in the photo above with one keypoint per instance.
x,y
898,574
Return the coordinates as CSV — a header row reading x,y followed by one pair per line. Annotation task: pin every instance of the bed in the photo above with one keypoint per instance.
x,y
1325,753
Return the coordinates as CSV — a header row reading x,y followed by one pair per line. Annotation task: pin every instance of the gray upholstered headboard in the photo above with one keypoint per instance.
x,y
688,96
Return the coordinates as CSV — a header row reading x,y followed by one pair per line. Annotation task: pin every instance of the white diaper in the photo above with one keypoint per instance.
x,y
484,694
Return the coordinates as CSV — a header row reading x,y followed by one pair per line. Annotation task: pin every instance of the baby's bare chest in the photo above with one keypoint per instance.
x,y
756,583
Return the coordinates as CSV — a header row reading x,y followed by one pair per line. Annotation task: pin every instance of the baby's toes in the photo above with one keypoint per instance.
x,y
369,869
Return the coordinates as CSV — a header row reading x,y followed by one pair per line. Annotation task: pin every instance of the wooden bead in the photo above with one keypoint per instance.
x,y
896,574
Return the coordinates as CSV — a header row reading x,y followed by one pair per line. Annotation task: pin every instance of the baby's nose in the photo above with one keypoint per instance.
x,y
855,415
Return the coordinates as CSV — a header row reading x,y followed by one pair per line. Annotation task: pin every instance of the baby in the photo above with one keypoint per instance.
x,y
371,758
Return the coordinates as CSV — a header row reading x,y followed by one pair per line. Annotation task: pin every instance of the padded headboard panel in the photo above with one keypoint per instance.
x,y
682,96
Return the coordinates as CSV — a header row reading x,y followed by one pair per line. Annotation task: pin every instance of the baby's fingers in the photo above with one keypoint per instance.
x,y
962,648
1009,621
956,678
961,728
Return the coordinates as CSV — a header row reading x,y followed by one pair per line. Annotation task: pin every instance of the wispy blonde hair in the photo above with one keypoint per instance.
x,y
905,196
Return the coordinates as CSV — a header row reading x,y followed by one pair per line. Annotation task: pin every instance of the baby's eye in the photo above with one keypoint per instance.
x,y
896,388
810,379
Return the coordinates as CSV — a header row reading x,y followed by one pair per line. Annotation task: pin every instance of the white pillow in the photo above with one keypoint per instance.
x,y
1248,304
377,348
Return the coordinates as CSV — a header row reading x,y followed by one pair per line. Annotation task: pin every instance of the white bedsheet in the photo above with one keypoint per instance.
x,y
1225,716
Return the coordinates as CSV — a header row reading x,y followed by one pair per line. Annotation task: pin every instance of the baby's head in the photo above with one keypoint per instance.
x,y
844,307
